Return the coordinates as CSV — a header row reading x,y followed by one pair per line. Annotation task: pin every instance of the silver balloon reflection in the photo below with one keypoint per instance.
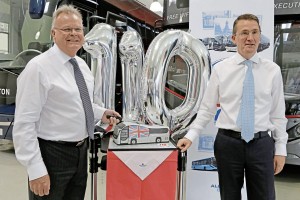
x,y
132,58
196,56
101,43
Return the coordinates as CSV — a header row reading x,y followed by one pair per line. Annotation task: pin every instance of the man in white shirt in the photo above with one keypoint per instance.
x,y
50,130
259,158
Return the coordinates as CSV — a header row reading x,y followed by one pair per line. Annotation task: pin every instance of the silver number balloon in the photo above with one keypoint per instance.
x,y
101,43
132,58
166,45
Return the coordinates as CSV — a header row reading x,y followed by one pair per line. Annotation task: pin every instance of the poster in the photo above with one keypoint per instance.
x,y
212,22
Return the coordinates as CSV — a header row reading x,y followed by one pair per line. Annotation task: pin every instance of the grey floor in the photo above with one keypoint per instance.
x,y
13,179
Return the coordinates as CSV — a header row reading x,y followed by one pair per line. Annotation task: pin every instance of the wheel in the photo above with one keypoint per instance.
x,y
158,140
133,141
297,130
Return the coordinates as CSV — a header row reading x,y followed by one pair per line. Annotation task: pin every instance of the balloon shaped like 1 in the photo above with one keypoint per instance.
x,y
196,56
101,43
132,58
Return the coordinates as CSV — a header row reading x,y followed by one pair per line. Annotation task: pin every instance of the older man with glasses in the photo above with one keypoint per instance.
x,y
55,114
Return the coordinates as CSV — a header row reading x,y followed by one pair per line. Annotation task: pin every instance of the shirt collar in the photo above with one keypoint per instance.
x,y
240,59
61,55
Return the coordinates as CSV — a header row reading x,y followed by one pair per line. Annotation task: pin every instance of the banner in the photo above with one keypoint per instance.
x,y
212,22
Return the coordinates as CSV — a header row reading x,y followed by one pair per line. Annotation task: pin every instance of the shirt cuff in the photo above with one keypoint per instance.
x,y
36,171
98,112
192,134
280,149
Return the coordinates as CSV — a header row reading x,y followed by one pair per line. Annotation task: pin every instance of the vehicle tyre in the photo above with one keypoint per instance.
x,y
297,130
133,141
158,140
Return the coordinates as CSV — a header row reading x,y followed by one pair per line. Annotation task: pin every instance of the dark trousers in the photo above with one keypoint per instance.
x,y
236,158
67,168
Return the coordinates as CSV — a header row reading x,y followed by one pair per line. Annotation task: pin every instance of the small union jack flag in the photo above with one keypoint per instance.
x,y
136,131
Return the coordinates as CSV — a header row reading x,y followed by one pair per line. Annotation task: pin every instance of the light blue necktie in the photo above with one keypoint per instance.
x,y
85,98
246,115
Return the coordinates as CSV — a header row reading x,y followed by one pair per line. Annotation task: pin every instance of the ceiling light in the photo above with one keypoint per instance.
x,y
93,1
156,6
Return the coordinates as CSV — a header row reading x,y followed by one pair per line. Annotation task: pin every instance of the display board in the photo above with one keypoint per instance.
x,y
212,21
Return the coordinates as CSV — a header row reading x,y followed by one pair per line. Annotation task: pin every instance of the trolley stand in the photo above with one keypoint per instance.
x,y
181,175
94,145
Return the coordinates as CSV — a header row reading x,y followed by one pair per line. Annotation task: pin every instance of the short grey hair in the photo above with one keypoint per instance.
x,y
68,9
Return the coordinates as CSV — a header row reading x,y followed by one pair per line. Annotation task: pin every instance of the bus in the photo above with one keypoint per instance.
x,y
286,55
207,164
135,133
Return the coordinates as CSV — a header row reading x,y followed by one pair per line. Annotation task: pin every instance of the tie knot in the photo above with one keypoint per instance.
x,y
248,63
73,61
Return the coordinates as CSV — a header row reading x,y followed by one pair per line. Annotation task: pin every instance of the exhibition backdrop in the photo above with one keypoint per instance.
x,y
211,21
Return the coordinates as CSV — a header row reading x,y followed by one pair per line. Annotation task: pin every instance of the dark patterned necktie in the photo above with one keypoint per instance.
x,y
85,97
246,115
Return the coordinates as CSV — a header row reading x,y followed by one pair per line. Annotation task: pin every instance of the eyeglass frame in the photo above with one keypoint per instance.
x,y
70,30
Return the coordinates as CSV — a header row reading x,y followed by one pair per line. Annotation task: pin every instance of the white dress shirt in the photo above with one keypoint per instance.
x,y
225,87
48,106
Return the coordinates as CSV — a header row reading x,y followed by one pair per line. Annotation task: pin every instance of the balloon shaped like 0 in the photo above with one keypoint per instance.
x,y
196,56
101,43
132,58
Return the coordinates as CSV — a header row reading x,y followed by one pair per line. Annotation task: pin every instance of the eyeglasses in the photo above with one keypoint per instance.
x,y
70,30
245,34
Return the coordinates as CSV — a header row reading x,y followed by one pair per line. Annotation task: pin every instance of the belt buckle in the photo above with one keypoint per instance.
x,y
80,143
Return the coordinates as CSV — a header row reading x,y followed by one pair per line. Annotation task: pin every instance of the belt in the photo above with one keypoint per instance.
x,y
237,135
73,144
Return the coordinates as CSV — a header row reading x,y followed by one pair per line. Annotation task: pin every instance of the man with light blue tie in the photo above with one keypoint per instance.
x,y
251,141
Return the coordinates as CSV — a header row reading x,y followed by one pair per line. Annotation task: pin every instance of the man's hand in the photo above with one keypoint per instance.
x,y
279,162
184,144
40,186
111,120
